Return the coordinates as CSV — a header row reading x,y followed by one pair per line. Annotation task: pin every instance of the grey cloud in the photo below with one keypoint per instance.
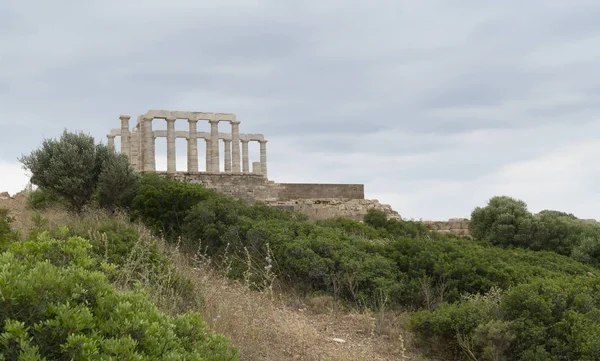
x,y
399,96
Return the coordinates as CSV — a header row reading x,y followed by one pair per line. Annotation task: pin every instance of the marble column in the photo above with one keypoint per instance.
x,y
192,156
134,147
214,146
256,167
235,145
263,157
171,154
208,155
227,147
245,162
111,142
148,148
153,152
125,134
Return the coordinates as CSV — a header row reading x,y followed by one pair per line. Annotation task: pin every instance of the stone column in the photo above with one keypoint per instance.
x,y
245,163
227,143
263,157
148,148
214,146
111,141
134,147
153,152
171,154
208,155
235,144
256,167
192,156
125,134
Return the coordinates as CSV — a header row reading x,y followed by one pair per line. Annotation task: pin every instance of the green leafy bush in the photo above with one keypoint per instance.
x,y
71,167
54,306
137,256
504,222
6,232
162,203
41,198
117,183
547,319
507,223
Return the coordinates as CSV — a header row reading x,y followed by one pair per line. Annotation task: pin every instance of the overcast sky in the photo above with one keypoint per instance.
x,y
435,106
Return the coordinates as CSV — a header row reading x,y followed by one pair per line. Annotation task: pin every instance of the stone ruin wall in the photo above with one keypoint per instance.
x,y
317,201
456,226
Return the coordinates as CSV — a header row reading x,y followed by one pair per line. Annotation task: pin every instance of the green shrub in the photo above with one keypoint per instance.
x,y
547,319
504,222
53,306
41,199
588,251
117,183
162,203
375,218
6,232
70,168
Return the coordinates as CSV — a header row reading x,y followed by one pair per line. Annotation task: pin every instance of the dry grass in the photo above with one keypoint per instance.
x,y
269,326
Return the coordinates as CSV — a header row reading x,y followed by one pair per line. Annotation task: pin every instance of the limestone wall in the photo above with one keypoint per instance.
x,y
248,187
291,191
332,208
317,201
458,226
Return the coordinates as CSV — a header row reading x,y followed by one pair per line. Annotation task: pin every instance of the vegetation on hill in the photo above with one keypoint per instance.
x,y
59,301
527,287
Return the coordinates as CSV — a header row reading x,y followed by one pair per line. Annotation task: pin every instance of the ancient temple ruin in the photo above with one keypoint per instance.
x,y
318,201
140,143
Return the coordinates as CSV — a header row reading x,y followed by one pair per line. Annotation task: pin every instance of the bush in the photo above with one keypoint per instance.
x,y
6,232
117,183
375,218
547,319
136,256
588,251
53,306
504,222
162,203
71,167
41,199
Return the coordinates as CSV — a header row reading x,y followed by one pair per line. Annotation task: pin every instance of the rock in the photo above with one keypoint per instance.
x,y
5,195
339,340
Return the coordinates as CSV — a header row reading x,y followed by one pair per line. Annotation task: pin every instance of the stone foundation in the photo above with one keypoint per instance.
x,y
457,226
317,209
317,201
293,191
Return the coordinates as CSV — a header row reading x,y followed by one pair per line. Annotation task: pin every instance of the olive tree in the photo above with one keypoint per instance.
x,y
72,166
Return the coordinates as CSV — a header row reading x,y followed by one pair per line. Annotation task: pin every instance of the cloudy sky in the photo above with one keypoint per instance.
x,y
435,106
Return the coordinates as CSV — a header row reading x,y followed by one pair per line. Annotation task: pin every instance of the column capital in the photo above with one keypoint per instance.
x,y
263,141
235,121
124,117
169,120
110,136
226,140
244,140
214,121
147,119
192,120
